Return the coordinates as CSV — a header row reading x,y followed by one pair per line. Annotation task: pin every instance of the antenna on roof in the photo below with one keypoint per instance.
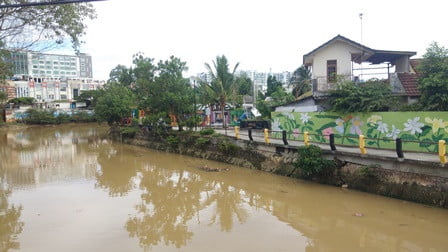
x,y
362,51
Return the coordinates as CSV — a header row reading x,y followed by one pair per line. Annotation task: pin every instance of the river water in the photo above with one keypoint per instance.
x,y
63,188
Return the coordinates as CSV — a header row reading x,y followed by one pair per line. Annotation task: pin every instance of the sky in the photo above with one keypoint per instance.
x,y
261,35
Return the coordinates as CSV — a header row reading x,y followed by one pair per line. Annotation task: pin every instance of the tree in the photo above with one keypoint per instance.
x,y
121,74
114,103
175,95
3,97
279,97
301,81
273,84
433,82
223,82
23,27
89,97
373,95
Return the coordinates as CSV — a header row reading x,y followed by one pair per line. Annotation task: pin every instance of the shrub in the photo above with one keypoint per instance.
x,y
207,131
172,140
311,163
228,148
202,142
128,132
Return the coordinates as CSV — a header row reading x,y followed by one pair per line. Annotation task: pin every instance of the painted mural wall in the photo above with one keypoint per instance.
x,y
419,131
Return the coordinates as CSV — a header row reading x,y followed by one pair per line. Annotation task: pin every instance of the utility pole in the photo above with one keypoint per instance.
x,y
362,50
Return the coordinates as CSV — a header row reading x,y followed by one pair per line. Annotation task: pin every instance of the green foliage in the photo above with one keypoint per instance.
x,y
222,85
114,103
301,81
373,95
311,162
121,74
3,97
40,116
36,116
279,97
202,142
273,84
128,132
23,101
89,97
82,116
228,147
207,131
173,141
52,23
434,78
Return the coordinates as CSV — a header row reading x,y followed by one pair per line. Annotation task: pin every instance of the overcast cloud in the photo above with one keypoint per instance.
x,y
261,35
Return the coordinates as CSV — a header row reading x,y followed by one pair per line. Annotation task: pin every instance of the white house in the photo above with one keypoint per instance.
x,y
343,57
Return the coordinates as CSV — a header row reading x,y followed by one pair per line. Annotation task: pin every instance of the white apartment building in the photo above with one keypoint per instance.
x,y
50,77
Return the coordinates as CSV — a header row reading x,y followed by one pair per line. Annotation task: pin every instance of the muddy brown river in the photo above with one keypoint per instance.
x,y
64,188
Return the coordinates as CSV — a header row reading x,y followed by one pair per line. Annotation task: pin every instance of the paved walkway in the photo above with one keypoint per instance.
x,y
258,136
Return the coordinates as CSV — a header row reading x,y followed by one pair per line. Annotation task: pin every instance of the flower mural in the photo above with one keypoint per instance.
x,y
380,128
394,132
413,125
327,132
304,117
437,124
356,125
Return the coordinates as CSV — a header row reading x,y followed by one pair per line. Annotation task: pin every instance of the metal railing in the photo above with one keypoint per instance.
x,y
306,138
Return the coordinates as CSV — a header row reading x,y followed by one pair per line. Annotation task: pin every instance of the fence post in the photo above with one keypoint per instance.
x,y
285,141
266,136
362,144
237,132
442,151
399,148
250,134
306,138
332,145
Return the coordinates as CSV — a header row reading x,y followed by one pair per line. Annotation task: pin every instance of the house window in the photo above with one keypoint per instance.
x,y
331,71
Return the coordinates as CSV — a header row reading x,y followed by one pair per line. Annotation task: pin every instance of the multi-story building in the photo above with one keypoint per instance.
x,y
49,77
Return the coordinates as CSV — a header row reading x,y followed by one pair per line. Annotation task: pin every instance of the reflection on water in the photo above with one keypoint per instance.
x,y
112,197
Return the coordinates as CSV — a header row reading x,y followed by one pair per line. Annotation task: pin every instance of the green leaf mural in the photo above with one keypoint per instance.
x,y
420,131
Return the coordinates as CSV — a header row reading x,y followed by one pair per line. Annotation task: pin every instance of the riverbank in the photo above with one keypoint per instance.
x,y
373,178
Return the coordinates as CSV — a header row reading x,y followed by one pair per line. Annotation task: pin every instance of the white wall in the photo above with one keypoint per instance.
x,y
335,51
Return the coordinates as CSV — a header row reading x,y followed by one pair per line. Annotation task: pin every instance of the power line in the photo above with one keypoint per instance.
x,y
3,6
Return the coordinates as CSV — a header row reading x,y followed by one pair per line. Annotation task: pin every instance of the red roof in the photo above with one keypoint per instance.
x,y
410,83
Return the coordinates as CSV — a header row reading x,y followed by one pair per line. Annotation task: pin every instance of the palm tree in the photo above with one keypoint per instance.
x,y
301,81
222,82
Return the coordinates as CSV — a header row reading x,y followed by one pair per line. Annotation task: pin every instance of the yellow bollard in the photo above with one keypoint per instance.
x,y
237,132
266,136
362,144
306,138
442,151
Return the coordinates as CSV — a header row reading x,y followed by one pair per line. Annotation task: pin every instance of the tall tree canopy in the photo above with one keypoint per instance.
x,y
222,84
159,88
300,81
433,82
114,103
23,27
273,84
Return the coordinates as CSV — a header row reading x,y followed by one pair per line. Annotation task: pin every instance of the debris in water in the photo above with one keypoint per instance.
x,y
344,186
212,169
358,214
